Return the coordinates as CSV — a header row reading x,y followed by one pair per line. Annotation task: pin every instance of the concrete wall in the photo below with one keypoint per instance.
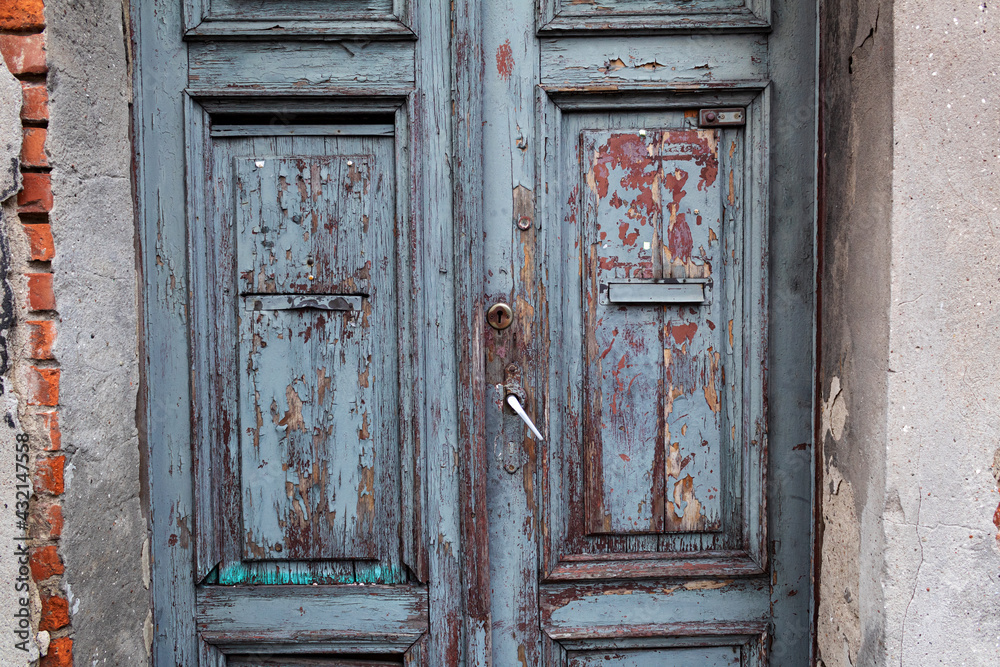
x,y
96,287
909,557
942,589
12,646
857,79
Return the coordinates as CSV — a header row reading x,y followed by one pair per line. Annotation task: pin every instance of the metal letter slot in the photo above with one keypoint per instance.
x,y
302,301
515,405
686,292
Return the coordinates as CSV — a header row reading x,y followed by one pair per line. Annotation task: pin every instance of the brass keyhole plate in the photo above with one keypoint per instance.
x,y
499,316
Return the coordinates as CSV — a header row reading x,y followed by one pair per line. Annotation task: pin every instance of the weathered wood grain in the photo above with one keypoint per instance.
x,y
649,16
470,226
434,271
718,656
317,65
614,63
165,409
388,616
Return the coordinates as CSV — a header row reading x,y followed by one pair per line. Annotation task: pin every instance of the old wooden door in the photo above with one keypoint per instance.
x,y
332,195
648,218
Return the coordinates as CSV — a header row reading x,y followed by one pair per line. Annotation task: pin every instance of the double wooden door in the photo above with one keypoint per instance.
x,y
333,194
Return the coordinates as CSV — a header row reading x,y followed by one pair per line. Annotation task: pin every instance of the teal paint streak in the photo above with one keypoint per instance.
x,y
239,574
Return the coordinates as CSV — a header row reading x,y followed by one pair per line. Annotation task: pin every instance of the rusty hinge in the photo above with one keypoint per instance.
x,y
722,117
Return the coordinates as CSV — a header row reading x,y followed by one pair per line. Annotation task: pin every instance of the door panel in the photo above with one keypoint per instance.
x,y
315,431
658,657
309,437
655,382
682,447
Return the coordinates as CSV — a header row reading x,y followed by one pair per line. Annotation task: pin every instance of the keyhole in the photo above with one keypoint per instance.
x,y
499,316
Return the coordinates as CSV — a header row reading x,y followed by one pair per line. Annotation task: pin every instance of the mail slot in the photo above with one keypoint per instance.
x,y
641,293
344,302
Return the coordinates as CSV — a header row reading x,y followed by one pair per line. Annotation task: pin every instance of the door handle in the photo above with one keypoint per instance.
x,y
516,406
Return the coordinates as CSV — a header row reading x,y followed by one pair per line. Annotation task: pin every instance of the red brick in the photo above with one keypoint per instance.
x,y
43,386
40,295
35,101
24,54
45,520
55,612
49,521
22,15
54,518
45,563
36,193
40,244
41,336
60,653
50,421
33,148
49,475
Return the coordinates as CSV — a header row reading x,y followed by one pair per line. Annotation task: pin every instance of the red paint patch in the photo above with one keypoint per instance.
x,y
682,332
625,236
630,153
679,238
505,60
625,458
701,152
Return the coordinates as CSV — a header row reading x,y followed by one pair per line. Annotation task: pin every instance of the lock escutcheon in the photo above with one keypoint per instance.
x,y
499,316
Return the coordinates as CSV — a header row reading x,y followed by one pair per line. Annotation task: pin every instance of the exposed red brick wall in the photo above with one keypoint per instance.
x,y
22,48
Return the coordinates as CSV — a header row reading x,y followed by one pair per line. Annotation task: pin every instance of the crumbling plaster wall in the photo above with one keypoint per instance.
x,y
910,288
96,287
856,96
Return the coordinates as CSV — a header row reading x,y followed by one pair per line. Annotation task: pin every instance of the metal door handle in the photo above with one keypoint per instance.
x,y
515,405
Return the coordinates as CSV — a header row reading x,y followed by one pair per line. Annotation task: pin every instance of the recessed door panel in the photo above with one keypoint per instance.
x,y
721,656
655,329
300,9
318,398
656,460
304,281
